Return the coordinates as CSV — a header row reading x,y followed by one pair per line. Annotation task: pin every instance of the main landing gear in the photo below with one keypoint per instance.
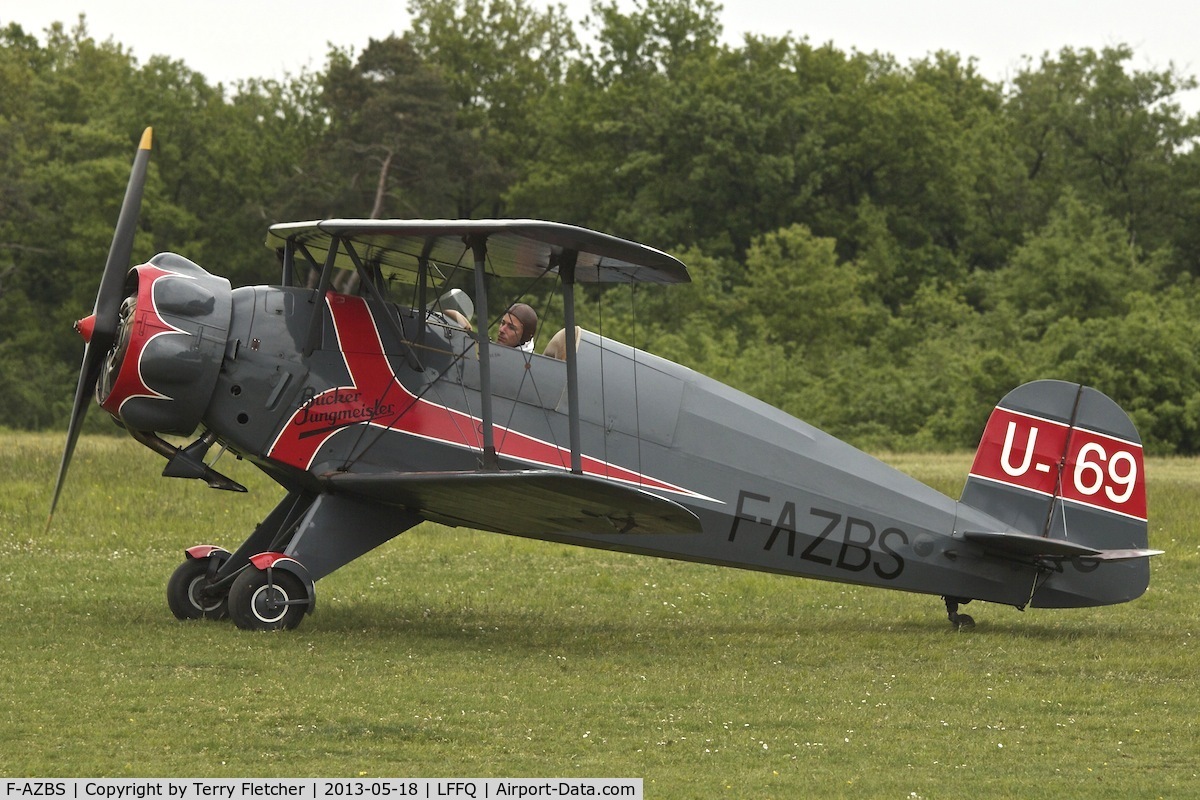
x,y
272,592
959,621
267,584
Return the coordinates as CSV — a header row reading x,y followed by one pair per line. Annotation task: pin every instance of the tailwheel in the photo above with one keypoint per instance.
x,y
190,594
959,621
267,600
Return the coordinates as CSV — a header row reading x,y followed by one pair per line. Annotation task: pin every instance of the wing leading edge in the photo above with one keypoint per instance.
x,y
522,502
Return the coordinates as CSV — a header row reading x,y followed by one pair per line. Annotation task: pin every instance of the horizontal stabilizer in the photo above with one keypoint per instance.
x,y
522,502
1024,545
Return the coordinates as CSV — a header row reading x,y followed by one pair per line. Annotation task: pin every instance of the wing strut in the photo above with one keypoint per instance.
x,y
478,243
566,270
423,290
326,279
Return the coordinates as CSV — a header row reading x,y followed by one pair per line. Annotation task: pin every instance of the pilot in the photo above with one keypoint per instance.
x,y
518,326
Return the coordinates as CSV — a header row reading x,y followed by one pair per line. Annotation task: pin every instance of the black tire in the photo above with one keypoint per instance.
x,y
185,595
257,605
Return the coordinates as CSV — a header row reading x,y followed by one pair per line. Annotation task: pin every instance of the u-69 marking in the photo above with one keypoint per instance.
x,y
1054,459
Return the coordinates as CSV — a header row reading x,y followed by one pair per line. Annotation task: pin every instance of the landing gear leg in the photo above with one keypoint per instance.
x,y
959,621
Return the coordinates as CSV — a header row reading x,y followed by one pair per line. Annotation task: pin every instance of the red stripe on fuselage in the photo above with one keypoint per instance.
x,y
377,398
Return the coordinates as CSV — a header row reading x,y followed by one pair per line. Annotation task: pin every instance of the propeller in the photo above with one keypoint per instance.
x,y
100,329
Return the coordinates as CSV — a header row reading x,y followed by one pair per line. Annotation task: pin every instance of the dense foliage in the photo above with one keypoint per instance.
x,y
881,249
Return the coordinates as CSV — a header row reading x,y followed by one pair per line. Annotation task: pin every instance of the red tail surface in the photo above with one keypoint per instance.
x,y
1052,458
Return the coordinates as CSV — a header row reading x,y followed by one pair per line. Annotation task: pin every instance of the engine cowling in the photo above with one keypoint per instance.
x,y
171,338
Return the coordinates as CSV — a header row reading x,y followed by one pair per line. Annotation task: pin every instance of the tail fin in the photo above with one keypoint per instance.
x,y
1060,464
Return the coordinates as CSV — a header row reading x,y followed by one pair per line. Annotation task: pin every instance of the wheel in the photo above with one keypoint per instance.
x,y
259,604
186,596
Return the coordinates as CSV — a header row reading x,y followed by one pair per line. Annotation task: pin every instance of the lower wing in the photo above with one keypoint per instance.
x,y
523,502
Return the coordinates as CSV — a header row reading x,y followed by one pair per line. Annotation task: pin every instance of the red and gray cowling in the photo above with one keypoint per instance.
x,y
171,333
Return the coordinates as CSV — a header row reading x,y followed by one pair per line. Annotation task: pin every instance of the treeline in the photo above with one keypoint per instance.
x,y
882,249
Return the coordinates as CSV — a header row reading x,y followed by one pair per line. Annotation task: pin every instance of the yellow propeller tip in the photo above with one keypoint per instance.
x,y
147,139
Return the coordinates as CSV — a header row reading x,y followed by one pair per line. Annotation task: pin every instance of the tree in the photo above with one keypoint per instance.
x,y
498,59
1144,359
799,296
1083,120
390,148
912,163
1079,266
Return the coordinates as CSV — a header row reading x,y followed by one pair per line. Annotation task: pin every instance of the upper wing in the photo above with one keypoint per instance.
x,y
516,248
523,502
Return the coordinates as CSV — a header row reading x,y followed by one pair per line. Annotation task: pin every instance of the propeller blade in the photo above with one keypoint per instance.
x,y
112,282
89,373
107,308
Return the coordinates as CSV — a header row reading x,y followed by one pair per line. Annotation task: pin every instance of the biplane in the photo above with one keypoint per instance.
x,y
374,414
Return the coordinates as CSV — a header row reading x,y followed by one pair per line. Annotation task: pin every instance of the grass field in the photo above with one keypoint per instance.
x,y
460,654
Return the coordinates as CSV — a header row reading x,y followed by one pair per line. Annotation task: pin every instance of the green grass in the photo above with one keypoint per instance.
x,y
455,653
